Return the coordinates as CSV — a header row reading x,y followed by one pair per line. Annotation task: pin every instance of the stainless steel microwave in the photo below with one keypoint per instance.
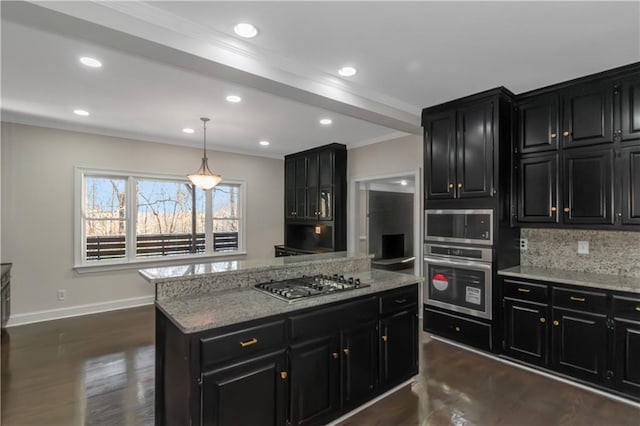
x,y
459,226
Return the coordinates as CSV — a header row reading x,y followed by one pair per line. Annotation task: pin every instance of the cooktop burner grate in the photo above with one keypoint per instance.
x,y
295,289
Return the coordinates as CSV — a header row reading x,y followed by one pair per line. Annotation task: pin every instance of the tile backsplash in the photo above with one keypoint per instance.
x,y
610,252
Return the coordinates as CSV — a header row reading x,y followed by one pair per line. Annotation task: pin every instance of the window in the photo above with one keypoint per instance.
x,y
125,218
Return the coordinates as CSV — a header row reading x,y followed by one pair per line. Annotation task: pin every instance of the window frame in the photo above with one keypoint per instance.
x,y
130,260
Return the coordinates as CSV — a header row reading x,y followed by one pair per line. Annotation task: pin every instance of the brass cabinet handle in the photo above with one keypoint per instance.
x,y
566,210
450,185
524,290
283,375
346,351
335,355
543,320
553,135
577,299
554,209
457,328
249,342
556,323
459,185
638,308
400,300
566,133
385,338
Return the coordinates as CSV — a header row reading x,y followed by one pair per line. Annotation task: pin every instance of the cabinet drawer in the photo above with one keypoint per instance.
x,y
526,291
398,300
469,332
329,320
242,343
626,307
580,300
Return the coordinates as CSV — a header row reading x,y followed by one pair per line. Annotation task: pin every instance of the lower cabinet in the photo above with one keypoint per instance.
x,y
589,334
261,382
303,368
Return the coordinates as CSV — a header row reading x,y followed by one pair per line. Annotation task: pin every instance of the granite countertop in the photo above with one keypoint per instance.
x,y
199,313
158,275
601,281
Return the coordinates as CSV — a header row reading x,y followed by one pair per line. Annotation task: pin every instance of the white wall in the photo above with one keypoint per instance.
x,y
386,158
37,213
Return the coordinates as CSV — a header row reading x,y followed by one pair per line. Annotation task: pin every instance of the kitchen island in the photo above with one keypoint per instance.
x,y
229,354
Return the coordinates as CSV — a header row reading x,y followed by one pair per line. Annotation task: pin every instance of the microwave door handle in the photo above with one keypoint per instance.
x,y
447,262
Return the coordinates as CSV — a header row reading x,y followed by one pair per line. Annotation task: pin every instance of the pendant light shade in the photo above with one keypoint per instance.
x,y
204,178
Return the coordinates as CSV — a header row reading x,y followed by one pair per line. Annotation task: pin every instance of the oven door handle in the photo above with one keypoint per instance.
x,y
450,262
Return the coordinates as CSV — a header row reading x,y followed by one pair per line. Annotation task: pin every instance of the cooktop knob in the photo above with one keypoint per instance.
x,y
350,280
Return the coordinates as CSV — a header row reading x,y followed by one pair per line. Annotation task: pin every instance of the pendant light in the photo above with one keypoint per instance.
x,y
204,178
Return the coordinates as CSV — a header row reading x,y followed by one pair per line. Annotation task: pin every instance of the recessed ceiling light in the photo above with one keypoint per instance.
x,y
81,112
403,182
347,71
188,130
264,143
234,99
326,121
90,62
245,30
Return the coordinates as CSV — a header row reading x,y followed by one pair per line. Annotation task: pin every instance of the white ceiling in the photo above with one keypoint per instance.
x,y
168,63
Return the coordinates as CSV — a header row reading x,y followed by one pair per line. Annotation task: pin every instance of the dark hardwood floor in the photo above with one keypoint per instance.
x,y
98,370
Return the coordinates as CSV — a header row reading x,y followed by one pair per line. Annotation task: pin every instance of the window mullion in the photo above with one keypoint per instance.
x,y
131,205
208,222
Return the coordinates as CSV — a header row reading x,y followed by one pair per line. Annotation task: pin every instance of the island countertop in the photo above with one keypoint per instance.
x,y
223,308
585,279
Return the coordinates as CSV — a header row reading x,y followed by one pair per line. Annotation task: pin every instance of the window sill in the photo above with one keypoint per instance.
x,y
105,266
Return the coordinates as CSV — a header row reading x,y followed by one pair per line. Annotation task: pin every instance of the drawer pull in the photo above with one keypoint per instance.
x,y
577,299
335,355
400,301
556,323
385,338
346,351
249,342
283,375
638,308
457,328
543,320
524,290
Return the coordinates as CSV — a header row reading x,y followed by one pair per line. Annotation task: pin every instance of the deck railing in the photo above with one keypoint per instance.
x,y
113,247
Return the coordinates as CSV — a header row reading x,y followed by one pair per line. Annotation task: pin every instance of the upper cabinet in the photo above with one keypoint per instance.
x,y
578,152
461,145
315,198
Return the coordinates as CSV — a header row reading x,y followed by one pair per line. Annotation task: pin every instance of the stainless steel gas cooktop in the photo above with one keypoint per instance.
x,y
295,289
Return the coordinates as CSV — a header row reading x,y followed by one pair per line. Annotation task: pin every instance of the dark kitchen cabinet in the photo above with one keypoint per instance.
x,y
538,119
398,347
359,345
629,122
630,186
587,117
261,381
538,189
526,331
626,368
588,192
315,194
315,376
462,140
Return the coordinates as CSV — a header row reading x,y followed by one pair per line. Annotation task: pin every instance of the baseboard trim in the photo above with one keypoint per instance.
x,y
371,402
540,372
78,310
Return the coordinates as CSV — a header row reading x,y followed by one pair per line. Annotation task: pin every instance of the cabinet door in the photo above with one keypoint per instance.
x,y
313,183
359,363
630,110
588,176
398,348
538,189
315,369
588,115
227,391
538,124
579,344
325,196
474,165
290,204
526,331
626,363
630,175
439,152
301,187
